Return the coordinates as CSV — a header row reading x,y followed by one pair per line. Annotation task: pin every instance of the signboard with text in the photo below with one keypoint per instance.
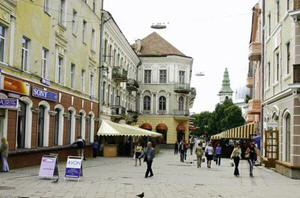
x,y
15,86
43,94
48,165
73,167
9,103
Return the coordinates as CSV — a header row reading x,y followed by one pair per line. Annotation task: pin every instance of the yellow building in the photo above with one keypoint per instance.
x,y
49,58
165,95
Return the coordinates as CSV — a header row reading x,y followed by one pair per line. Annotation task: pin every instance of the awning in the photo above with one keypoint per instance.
x,y
180,127
161,127
146,126
246,131
109,128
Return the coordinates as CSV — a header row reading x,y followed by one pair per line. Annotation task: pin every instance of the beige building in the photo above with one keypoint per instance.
x,y
165,95
281,98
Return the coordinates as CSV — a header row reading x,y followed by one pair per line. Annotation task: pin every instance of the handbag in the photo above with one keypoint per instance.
x,y
203,159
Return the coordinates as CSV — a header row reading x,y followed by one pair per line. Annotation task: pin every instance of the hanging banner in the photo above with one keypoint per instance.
x,y
73,167
15,86
48,166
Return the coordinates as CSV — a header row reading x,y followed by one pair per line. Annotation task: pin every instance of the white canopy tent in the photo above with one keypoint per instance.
x,y
109,128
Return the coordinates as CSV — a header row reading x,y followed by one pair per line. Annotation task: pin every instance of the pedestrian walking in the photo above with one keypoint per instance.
x,y
148,158
4,154
192,143
199,153
95,147
181,150
218,154
209,152
176,148
186,147
251,156
236,156
138,152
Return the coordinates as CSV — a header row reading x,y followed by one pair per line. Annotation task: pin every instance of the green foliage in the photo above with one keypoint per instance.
x,y
225,116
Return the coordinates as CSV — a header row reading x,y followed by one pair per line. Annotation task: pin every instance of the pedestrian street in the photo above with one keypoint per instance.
x,y
119,178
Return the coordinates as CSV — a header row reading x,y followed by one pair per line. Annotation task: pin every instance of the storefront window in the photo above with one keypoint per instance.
x,y
21,125
56,126
181,103
70,114
41,125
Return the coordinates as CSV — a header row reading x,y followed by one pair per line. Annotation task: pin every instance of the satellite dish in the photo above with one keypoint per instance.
x,y
158,26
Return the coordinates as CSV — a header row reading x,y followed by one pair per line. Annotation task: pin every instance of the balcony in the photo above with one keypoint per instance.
x,y
254,106
132,117
132,85
119,74
182,115
117,111
250,81
182,88
254,51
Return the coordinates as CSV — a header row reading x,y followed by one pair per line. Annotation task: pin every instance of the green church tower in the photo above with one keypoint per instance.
x,y
226,91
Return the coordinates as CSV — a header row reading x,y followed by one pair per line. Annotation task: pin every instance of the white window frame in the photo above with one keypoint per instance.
x,y
60,69
62,12
72,75
46,6
44,65
93,44
166,77
179,79
3,37
25,52
82,80
147,80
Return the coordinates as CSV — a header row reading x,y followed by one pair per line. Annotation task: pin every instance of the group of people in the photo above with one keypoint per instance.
x,y
182,149
209,152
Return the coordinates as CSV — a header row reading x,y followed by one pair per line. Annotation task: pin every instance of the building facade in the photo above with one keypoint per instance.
x,y
165,95
281,99
226,91
119,89
49,56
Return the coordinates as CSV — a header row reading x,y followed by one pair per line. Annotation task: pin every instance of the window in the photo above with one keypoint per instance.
x,y
277,11
105,51
83,31
72,75
103,92
277,67
2,42
21,125
147,103
41,124
287,5
74,26
181,103
60,69
46,6
288,58
83,80
25,53
108,94
62,13
288,137
147,77
92,85
112,96
70,117
90,120
56,126
118,60
80,126
109,55
162,76
269,24
162,103
94,5
93,40
44,62
181,77
114,59
269,74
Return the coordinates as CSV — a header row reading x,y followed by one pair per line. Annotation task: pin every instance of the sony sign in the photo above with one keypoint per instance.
x,y
43,94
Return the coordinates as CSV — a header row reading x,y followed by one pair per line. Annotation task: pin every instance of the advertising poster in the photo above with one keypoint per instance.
x,y
47,166
73,167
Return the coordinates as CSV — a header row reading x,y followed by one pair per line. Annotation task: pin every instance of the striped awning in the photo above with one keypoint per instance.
x,y
246,131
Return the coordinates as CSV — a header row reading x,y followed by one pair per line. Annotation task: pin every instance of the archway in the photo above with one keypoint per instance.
x,y
162,129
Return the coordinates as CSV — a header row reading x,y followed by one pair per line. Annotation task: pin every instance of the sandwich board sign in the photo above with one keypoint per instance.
x,y
73,167
48,167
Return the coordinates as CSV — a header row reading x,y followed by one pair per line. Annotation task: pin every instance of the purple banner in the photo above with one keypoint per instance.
x,y
47,95
47,166
9,103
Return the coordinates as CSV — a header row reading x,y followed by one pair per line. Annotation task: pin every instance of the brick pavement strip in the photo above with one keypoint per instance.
x,y
119,178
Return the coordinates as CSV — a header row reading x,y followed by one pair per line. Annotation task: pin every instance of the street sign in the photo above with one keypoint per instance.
x,y
48,168
74,167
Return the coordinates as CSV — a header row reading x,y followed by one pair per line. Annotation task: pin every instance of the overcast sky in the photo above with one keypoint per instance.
x,y
215,33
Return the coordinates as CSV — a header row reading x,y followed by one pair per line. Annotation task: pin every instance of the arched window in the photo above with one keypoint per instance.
x,y
181,103
70,118
288,137
90,137
81,126
21,128
41,126
147,103
162,103
56,125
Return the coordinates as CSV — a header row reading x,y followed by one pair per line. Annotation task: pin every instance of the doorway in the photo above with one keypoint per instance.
x,y
21,125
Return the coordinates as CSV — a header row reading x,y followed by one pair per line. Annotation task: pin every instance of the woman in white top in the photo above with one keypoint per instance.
x,y
209,152
236,156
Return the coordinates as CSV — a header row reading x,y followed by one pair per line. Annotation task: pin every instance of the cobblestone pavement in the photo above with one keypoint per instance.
x,y
119,178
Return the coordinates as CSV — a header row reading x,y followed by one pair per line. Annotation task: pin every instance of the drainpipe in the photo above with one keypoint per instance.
x,y
100,81
262,80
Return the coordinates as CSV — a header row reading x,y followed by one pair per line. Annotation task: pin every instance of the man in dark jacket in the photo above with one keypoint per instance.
x,y
80,143
182,151
149,155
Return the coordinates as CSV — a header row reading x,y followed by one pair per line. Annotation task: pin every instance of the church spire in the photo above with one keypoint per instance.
x,y
226,91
